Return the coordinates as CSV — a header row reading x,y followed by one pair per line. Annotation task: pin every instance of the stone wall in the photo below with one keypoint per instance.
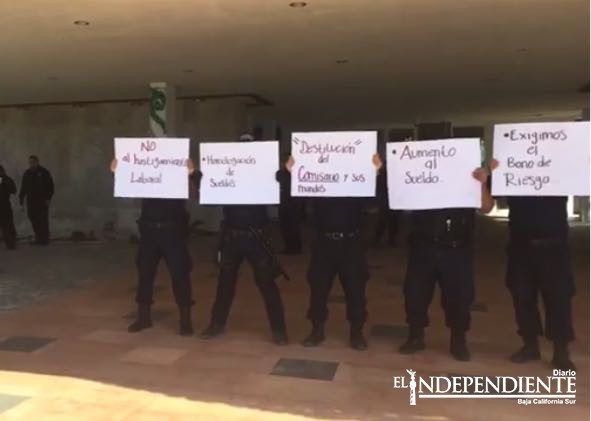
x,y
76,144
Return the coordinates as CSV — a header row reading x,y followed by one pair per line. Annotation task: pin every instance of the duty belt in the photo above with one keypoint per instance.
x,y
243,232
448,243
340,235
440,241
539,242
158,224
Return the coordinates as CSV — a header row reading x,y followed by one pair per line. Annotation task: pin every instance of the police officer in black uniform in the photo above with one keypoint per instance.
x,y
539,262
242,229
7,188
37,187
163,228
290,215
338,250
441,250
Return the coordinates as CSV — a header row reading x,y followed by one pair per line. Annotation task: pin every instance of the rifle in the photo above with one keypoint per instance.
x,y
220,245
269,251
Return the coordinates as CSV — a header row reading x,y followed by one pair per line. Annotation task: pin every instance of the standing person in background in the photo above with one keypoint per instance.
x,y
289,215
7,188
37,188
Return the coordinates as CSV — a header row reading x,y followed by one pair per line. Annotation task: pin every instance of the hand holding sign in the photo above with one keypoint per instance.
x,y
377,161
190,166
481,175
289,163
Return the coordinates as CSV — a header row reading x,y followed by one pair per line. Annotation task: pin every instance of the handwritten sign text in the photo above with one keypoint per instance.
x,y
433,174
541,159
239,173
333,164
152,168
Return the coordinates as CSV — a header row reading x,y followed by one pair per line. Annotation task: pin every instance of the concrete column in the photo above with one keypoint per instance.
x,y
582,203
161,123
162,109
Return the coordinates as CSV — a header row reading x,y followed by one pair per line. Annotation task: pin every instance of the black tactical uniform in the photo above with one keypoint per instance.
x,y
163,234
239,242
440,251
7,188
289,215
338,250
37,187
539,262
388,219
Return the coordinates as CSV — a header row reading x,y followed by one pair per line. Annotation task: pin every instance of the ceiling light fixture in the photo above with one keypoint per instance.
x,y
298,4
188,71
342,61
81,22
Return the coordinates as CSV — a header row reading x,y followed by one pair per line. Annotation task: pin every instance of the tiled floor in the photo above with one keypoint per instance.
x,y
68,355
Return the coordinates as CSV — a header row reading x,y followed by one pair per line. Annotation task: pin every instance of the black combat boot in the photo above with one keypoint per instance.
x,y
356,339
143,320
529,352
458,347
561,358
415,341
186,326
316,336
212,331
280,337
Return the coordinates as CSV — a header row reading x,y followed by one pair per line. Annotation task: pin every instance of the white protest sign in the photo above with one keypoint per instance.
x,y
337,164
152,168
239,173
541,159
433,174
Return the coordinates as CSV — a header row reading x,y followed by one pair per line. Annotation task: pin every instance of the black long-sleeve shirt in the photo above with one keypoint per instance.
x,y
7,187
338,214
284,178
537,217
37,186
245,216
164,210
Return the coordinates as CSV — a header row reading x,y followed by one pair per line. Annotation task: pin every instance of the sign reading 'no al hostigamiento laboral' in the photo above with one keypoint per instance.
x,y
239,173
152,168
336,164
433,174
541,159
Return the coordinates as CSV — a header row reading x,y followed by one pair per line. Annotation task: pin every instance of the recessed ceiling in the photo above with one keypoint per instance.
x,y
414,59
